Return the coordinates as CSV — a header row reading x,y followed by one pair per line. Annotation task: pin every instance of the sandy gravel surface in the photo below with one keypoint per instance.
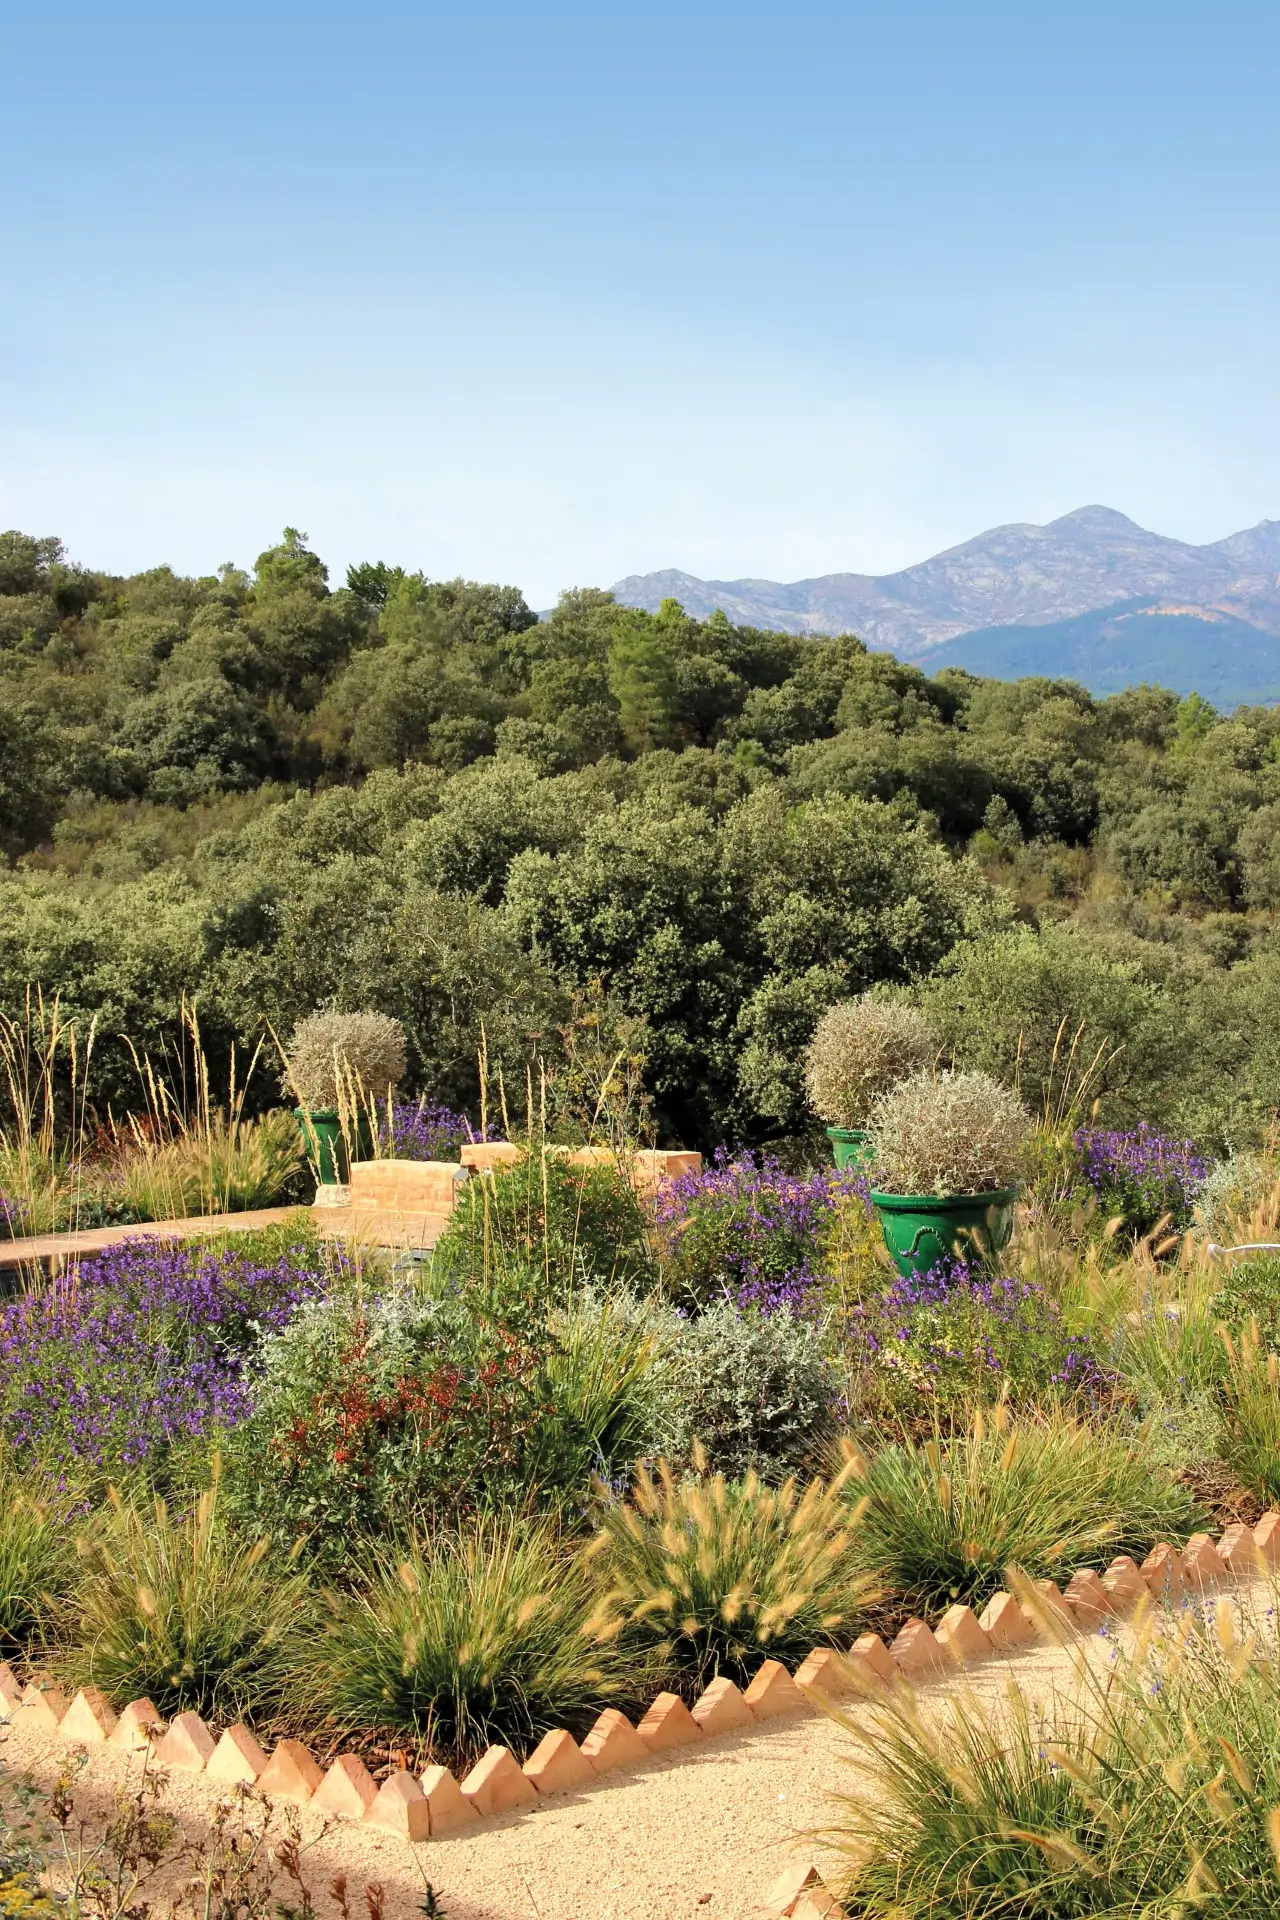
x,y
701,1835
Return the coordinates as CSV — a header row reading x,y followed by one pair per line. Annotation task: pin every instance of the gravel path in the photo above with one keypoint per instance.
x,y
705,1835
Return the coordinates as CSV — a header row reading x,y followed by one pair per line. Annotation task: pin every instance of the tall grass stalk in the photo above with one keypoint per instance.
x,y
44,1076
1249,1433
187,1154
1147,1788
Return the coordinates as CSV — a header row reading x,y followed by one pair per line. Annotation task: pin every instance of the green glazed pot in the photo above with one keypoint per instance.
x,y
850,1147
923,1229
325,1146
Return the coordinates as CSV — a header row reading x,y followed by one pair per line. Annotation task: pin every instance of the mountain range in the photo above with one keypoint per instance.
x,y
1091,595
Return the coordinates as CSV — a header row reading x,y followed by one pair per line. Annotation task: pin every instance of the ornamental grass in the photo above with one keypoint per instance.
x,y
1149,1788
179,1609
1249,1426
489,1636
37,1556
945,1520
720,1575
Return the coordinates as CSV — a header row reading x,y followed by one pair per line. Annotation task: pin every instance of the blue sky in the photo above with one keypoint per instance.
x,y
552,294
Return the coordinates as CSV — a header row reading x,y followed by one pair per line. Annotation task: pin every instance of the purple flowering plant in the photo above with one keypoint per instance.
x,y
426,1129
746,1230
934,1342
1140,1174
147,1346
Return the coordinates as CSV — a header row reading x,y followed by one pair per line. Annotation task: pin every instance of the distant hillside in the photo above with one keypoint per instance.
x,y
1014,576
1190,649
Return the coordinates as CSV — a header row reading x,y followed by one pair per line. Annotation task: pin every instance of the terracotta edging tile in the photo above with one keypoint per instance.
x,y
89,1720
237,1759
960,1634
788,1887
772,1692
915,1648
1203,1567
41,1709
1005,1623
870,1657
10,1691
401,1808
347,1790
1162,1571
668,1724
1124,1582
188,1744
558,1764
1267,1536
446,1802
496,1785
138,1725
722,1708
825,1672
1088,1599
613,1742
291,1773
1239,1551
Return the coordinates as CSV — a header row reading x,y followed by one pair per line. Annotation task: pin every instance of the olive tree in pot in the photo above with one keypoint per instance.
x,y
947,1154
860,1049
337,1067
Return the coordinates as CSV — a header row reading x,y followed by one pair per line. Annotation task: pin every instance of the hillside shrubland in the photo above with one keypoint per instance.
x,y
413,796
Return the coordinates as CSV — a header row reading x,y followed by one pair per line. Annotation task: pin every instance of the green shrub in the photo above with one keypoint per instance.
x,y
719,1576
1170,1357
1152,1789
177,1608
944,1520
754,1390
397,1410
573,1224
491,1636
229,1167
37,1560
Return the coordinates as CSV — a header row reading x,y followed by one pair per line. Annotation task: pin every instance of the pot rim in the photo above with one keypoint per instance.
x,y
939,1202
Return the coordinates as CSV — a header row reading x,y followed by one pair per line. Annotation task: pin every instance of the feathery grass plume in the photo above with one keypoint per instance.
x,y
949,1133
944,1520
1249,1428
37,1553
493,1635
861,1048
1148,1786
722,1575
177,1607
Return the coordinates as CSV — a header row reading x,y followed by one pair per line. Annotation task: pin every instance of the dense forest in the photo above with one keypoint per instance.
x,y
414,795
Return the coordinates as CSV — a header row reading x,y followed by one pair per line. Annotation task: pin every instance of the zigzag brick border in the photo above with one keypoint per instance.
x,y
437,1804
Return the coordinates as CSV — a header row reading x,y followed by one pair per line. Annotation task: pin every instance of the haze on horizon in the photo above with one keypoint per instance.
x,y
555,298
